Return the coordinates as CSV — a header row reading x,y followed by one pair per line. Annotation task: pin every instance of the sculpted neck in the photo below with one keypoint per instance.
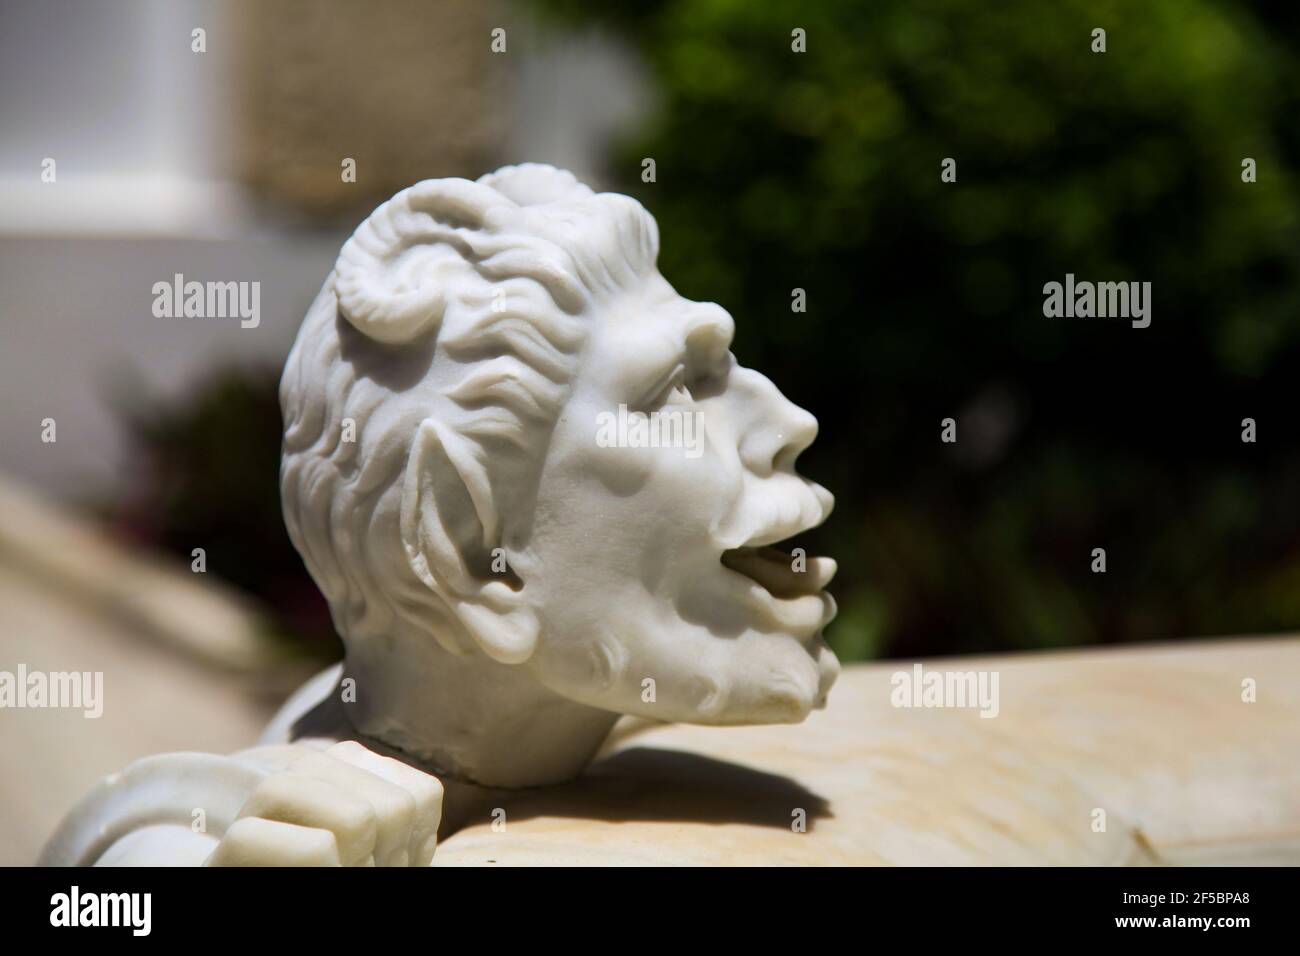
x,y
468,717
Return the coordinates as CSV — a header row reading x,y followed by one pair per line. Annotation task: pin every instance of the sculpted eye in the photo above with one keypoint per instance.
x,y
710,378
672,388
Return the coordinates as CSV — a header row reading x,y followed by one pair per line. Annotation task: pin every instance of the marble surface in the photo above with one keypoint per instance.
x,y
1159,738
183,669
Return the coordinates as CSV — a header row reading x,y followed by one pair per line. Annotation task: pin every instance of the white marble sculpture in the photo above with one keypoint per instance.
x,y
538,493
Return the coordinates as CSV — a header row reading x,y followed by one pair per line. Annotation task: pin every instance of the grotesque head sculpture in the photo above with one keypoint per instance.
x,y
529,477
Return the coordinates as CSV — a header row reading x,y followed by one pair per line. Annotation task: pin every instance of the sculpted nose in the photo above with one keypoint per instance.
x,y
778,428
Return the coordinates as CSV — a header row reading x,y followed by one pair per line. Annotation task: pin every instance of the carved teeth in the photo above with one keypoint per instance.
x,y
775,570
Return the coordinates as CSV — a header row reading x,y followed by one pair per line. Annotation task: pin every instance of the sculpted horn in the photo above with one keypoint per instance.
x,y
394,298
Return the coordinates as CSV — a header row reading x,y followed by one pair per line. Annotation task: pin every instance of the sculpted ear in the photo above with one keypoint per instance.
x,y
449,526
392,274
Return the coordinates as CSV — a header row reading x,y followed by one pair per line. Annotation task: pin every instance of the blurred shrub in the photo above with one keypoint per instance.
x,y
820,170
206,476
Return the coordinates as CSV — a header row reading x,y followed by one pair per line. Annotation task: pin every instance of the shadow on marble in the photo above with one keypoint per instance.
x,y
648,785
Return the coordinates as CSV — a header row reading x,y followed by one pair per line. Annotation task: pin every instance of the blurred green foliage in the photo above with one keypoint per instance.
x,y
820,170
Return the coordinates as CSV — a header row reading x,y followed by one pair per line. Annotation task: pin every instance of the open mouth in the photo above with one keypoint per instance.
x,y
780,573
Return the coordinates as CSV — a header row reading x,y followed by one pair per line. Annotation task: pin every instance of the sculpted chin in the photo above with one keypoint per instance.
x,y
506,579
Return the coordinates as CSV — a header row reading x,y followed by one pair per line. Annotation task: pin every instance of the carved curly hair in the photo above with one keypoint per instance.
x,y
434,362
